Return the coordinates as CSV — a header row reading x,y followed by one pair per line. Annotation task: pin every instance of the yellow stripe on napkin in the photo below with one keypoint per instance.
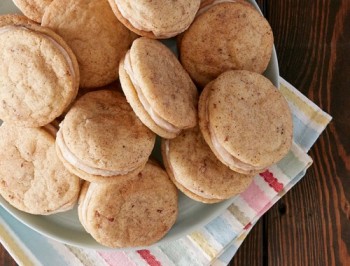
x,y
310,112
202,242
16,252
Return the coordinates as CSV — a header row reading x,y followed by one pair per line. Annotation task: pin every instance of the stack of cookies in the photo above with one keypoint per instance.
x,y
84,95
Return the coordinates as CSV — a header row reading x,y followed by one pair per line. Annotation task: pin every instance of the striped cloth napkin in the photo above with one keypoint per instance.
x,y
214,244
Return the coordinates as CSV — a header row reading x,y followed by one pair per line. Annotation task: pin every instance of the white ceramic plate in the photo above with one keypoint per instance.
x,y
65,227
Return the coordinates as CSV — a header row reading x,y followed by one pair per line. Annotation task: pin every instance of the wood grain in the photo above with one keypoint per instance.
x,y
5,258
310,225
253,244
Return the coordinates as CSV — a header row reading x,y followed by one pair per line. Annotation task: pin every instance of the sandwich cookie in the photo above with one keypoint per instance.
x,y
197,172
212,46
130,213
33,9
14,19
158,89
39,75
157,19
246,121
95,35
101,139
32,178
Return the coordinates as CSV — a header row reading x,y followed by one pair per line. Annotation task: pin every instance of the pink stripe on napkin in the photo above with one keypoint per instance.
x,y
116,258
255,197
271,180
149,258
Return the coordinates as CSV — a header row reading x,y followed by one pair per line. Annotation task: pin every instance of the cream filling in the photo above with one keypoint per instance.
x,y
204,195
224,154
148,27
65,207
84,207
8,28
73,160
56,44
205,8
66,56
145,103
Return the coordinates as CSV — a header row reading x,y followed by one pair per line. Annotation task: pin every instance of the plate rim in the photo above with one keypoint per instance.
x,y
273,68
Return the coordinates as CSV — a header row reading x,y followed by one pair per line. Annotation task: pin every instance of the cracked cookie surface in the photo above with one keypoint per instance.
x,y
197,172
39,75
32,178
33,9
105,136
246,121
95,35
212,46
132,212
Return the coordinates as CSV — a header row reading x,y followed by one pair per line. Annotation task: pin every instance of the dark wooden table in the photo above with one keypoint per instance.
x,y
310,225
